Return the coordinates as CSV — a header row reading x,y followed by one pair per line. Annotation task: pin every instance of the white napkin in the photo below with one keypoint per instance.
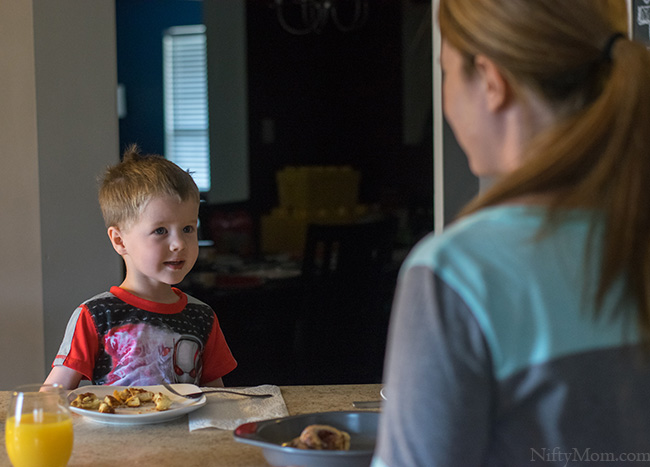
x,y
228,411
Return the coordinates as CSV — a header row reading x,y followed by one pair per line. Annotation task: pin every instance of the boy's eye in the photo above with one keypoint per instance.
x,y
160,231
188,229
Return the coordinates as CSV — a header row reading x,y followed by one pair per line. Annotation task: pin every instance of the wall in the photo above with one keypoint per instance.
x,y
139,28
460,184
454,184
359,98
227,100
58,131
328,98
21,304
639,20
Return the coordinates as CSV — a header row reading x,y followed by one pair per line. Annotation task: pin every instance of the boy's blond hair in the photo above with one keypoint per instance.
x,y
127,187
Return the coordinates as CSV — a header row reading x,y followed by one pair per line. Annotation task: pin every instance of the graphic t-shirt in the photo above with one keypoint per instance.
x,y
117,338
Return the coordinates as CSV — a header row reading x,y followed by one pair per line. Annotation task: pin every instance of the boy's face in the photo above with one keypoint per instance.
x,y
161,247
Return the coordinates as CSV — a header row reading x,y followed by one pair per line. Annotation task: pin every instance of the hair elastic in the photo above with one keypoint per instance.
x,y
607,50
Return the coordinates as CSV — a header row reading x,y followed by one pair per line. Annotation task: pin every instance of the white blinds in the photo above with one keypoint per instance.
x,y
186,101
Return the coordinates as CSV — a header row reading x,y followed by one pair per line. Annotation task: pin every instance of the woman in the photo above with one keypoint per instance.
x,y
520,334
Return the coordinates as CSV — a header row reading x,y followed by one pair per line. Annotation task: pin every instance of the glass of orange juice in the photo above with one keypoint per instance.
x,y
38,430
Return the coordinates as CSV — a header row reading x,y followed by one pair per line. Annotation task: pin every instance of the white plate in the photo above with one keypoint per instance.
x,y
141,415
382,393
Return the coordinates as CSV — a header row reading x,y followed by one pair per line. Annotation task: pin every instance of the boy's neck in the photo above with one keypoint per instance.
x,y
163,294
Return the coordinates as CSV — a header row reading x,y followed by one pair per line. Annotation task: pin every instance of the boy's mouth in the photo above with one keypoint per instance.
x,y
175,264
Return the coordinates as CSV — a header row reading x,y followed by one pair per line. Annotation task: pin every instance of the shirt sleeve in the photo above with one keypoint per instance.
x,y
80,344
217,357
439,383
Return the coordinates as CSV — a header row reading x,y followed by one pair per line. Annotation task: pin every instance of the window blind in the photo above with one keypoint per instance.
x,y
185,76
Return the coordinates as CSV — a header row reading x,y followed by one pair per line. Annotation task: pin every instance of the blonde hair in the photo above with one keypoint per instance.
x,y
597,153
127,187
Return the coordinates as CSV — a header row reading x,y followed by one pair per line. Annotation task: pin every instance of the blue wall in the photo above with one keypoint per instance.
x,y
140,25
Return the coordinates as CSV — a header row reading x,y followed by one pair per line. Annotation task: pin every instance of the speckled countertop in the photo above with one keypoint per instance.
x,y
172,444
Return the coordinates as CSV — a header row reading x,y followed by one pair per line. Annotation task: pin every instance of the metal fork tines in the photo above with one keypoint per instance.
x,y
196,395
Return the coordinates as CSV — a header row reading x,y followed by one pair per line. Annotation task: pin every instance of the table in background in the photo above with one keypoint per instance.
x,y
259,325
276,328
172,444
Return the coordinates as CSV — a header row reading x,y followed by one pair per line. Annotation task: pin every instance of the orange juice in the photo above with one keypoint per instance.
x,y
44,442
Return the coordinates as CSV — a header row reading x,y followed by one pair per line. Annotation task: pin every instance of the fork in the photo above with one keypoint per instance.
x,y
196,395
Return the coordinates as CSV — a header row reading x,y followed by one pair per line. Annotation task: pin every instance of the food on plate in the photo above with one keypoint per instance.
x,y
162,401
112,401
87,400
105,408
133,401
142,394
135,395
323,437
126,398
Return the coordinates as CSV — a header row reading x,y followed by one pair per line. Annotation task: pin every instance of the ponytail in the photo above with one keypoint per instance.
x,y
599,158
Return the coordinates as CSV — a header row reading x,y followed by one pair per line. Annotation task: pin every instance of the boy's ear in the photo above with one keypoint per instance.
x,y
116,240
497,87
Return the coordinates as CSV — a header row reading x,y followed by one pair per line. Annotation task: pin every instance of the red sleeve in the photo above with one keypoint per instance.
x,y
217,358
80,344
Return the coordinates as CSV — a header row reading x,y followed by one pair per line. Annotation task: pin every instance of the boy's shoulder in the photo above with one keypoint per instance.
x,y
100,297
195,301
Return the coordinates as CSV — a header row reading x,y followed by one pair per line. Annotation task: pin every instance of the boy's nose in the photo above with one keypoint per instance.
x,y
177,244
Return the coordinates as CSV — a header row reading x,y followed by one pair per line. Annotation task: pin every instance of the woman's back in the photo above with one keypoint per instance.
x,y
515,356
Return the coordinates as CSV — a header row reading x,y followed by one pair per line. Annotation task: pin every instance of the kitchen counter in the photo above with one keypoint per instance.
x,y
172,444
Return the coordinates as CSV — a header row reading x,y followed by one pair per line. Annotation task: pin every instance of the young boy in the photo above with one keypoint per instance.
x,y
145,331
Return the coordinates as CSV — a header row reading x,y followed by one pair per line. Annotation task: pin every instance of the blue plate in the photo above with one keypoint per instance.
x,y
270,434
